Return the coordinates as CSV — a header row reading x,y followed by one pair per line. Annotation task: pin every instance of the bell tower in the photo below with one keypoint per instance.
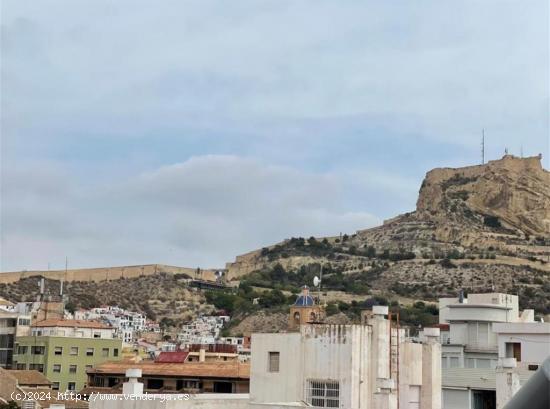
x,y
304,311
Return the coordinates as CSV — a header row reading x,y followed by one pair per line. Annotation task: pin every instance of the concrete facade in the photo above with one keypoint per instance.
x,y
353,360
64,360
486,330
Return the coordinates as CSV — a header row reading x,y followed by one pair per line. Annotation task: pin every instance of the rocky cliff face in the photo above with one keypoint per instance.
x,y
492,221
513,192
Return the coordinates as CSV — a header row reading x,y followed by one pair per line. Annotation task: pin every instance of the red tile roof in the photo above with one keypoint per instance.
x,y
177,357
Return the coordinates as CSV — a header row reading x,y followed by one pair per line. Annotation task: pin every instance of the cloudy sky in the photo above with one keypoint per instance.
x,y
187,132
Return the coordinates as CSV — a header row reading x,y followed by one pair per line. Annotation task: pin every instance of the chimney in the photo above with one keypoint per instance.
x,y
133,387
202,355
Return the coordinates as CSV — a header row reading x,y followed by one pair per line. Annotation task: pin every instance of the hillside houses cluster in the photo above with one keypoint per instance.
x,y
203,330
128,324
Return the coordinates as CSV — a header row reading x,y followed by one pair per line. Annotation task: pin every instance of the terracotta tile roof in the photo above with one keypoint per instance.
x,y
72,324
177,357
30,377
224,369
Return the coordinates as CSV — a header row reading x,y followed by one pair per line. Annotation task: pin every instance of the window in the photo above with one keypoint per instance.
x,y
38,350
58,351
74,351
6,341
55,386
89,352
22,349
273,362
57,368
155,383
105,352
455,362
21,367
470,363
37,367
115,352
88,367
24,321
513,350
71,386
72,368
323,393
483,363
97,334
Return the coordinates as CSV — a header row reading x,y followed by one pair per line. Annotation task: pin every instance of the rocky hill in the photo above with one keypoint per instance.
x,y
164,297
479,228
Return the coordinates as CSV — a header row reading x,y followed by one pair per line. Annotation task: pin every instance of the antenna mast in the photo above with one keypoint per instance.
x,y
483,146
320,282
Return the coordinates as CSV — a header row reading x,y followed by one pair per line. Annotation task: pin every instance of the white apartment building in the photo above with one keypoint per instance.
x,y
128,324
346,366
73,328
12,325
483,329
203,330
527,342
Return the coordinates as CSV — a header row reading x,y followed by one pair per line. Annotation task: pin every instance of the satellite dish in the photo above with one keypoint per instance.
x,y
316,281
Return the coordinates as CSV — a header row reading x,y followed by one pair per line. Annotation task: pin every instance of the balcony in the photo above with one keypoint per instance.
x,y
480,347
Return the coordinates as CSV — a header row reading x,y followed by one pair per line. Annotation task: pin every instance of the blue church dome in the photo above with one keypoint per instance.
x,y
304,299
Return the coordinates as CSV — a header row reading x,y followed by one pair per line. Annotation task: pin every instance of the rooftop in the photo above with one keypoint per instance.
x,y
25,378
72,324
225,369
177,357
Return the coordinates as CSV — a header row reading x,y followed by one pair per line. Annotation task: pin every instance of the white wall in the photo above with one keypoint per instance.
x,y
201,401
319,352
535,348
285,385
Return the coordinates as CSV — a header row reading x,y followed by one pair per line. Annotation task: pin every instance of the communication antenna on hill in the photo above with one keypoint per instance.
x,y
483,146
317,283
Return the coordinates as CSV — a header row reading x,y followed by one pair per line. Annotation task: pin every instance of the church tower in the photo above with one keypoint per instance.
x,y
304,311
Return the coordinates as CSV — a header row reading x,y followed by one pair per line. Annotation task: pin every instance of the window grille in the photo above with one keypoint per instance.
x,y
323,393
273,362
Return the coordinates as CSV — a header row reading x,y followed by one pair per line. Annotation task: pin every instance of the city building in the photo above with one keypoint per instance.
x,y
32,390
343,366
172,377
64,349
203,330
483,329
346,366
128,324
12,324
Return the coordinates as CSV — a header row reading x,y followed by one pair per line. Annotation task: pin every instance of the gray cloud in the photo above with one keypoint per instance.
x,y
190,131
205,210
